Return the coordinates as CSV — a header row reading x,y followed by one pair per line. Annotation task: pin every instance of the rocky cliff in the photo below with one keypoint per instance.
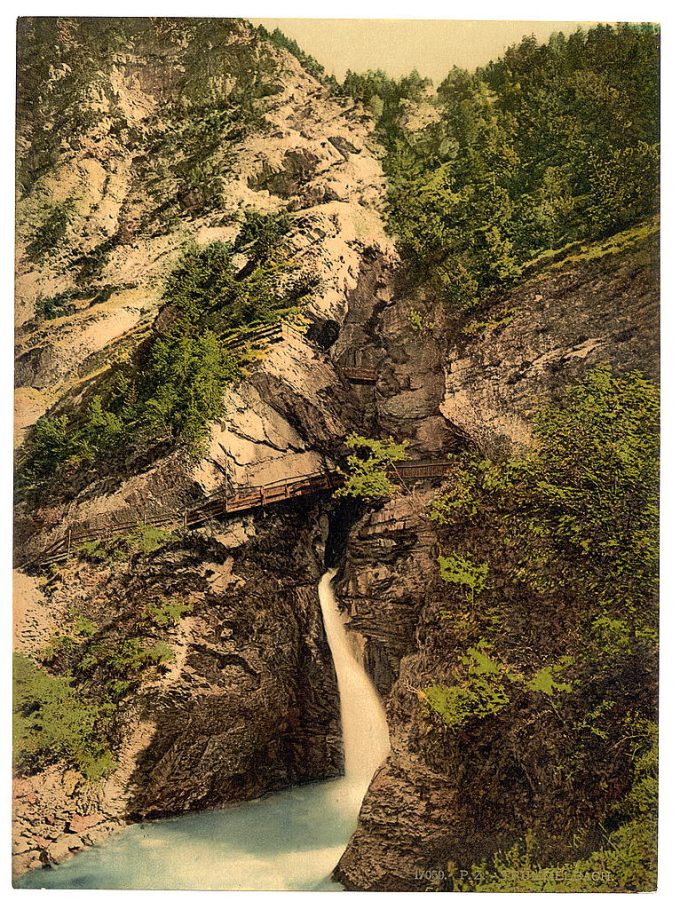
x,y
441,800
122,126
207,647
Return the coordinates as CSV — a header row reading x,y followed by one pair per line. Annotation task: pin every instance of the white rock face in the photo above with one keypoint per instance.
x,y
311,154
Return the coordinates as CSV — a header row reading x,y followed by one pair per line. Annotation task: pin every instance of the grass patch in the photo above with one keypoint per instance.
x,y
144,539
580,252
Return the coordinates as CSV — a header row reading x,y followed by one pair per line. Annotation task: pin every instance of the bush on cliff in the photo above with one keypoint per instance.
x,y
54,721
366,474
567,621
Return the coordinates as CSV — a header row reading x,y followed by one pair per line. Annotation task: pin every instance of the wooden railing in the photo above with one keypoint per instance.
x,y
360,374
243,499
415,470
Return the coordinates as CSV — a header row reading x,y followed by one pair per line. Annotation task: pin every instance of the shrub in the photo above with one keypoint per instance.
x,y
261,233
456,569
49,236
145,539
53,721
481,692
366,474
167,614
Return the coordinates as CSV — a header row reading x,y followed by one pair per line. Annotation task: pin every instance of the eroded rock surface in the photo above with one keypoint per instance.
x,y
546,334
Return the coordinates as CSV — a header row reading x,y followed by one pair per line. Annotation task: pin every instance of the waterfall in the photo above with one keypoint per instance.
x,y
289,840
364,727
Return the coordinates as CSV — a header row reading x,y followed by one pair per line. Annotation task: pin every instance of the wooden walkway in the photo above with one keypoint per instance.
x,y
360,375
243,499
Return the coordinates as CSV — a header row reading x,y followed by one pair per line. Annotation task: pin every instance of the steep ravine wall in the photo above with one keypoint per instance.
x,y
247,705
439,800
248,702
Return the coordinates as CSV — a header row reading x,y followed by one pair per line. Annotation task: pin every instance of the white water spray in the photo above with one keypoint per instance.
x,y
364,727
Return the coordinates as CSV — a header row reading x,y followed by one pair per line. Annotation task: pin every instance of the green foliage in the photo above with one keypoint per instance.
x,y
53,721
594,492
98,551
278,39
57,442
64,303
182,389
262,232
418,322
171,392
116,667
456,569
546,680
366,476
480,694
582,507
133,655
569,529
51,233
47,448
92,263
146,538
57,306
167,614
626,862
550,144
143,539
202,189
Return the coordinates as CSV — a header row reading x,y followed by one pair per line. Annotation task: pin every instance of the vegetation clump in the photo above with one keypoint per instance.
x,y
278,39
456,569
170,392
368,466
143,539
481,692
51,233
54,720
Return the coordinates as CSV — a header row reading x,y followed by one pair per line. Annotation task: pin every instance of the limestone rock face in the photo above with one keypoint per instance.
x,y
546,334
298,149
247,702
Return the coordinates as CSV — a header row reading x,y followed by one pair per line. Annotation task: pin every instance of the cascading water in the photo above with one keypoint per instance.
x,y
364,727
288,841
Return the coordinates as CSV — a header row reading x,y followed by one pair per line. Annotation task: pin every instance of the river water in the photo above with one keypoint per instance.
x,y
290,840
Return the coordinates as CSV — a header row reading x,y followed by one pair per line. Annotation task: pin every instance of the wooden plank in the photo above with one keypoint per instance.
x,y
245,499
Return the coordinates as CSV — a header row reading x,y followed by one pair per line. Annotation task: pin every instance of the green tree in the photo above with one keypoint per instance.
x,y
367,473
183,388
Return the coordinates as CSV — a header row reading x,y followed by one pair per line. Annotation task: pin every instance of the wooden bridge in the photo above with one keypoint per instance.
x,y
361,375
243,499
